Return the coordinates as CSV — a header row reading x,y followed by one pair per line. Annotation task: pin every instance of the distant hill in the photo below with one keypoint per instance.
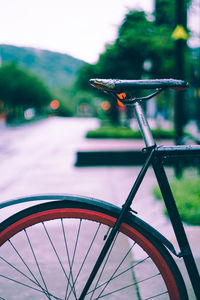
x,y
56,69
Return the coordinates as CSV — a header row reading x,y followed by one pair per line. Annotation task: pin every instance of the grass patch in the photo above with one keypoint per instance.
x,y
126,133
186,192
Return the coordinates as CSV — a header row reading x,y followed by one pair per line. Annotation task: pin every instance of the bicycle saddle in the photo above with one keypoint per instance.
x,y
123,86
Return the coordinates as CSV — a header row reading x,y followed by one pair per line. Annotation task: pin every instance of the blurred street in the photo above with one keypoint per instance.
x,y
47,105
39,159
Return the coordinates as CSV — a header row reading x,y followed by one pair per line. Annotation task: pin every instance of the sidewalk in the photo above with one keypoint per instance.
x,y
49,169
144,202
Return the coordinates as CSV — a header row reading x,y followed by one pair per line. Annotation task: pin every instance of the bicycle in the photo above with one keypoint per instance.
x,y
81,236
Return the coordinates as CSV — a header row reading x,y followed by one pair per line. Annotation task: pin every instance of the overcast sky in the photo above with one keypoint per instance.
x,y
80,28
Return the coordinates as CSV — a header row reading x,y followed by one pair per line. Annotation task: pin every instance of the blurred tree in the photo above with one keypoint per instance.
x,y
139,39
20,90
165,12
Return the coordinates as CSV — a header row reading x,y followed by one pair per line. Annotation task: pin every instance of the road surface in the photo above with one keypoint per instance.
x,y
39,159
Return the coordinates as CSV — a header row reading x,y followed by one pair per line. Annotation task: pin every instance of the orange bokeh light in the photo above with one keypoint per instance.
x,y
105,105
54,104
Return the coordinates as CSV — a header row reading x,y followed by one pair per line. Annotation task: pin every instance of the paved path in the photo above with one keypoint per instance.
x,y
43,162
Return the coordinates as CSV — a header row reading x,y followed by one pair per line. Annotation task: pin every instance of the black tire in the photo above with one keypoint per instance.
x,y
48,250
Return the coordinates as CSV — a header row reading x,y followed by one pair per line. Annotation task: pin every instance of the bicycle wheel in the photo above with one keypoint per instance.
x,y
48,251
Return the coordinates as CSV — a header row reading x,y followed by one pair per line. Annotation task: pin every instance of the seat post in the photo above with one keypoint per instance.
x,y
144,125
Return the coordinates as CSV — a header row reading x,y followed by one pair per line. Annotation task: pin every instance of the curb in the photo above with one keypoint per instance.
x,y
110,158
93,158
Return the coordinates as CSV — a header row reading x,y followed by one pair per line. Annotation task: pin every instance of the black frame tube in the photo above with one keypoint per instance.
x,y
124,211
180,150
175,219
155,156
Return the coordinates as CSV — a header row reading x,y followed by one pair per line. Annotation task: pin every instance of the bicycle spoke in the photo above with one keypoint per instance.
x,y
88,251
25,264
112,276
57,256
156,296
76,243
35,281
118,275
37,263
74,254
68,257
103,267
19,271
28,286
130,285
21,283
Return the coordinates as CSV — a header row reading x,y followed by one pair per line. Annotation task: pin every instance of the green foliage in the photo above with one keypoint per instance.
x,y
126,133
64,95
187,195
71,98
63,110
138,40
81,97
165,12
58,72
20,90
113,133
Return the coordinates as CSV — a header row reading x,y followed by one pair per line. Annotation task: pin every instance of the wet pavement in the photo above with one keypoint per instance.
x,y
39,159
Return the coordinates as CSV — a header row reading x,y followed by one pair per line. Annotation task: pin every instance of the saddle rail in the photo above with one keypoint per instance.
x,y
124,89
120,86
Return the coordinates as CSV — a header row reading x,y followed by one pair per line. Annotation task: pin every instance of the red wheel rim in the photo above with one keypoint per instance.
x,y
78,213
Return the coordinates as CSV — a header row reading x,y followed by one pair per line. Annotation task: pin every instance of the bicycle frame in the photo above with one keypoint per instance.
x,y
185,250
155,157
